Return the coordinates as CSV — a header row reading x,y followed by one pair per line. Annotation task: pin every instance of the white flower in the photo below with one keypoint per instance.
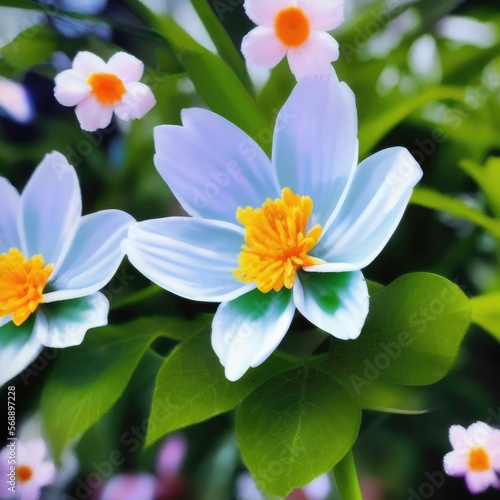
x,y
98,89
53,261
293,28
475,455
267,238
32,469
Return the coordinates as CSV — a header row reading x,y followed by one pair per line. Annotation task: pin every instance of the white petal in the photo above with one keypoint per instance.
x,y
264,11
459,437
315,145
87,63
493,448
212,166
374,205
262,48
323,15
477,482
93,257
51,207
313,58
193,258
92,115
18,348
71,88
9,210
126,67
246,331
138,100
455,463
64,324
335,302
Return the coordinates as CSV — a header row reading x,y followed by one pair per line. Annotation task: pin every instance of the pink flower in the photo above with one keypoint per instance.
x,y
475,455
98,89
293,28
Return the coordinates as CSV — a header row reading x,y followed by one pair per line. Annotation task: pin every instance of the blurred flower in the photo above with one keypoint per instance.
x,y
98,89
53,261
130,487
14,99
312,220
475,455
293,28
25,468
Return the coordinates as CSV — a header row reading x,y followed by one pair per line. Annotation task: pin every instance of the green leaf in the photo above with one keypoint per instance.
x,y
88,379
191,387
437,201
296,427
411,335
486,312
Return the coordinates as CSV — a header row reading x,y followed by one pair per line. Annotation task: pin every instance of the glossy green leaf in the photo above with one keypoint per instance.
x,y
191,386
88,379
296,427
411,336
486,312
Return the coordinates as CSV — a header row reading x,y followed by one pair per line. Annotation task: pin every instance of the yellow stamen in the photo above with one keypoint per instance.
x,y
107,88
24,473
21,284
292,26
479,460
276,241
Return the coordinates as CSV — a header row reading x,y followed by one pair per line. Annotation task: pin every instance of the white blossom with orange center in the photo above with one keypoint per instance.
x,y
475,456
297,29
99,89
53,262
266,238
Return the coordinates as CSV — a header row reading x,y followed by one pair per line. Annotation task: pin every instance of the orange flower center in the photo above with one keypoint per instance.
x,y
292,26
107,88
479,460
21,284
24,473
277,243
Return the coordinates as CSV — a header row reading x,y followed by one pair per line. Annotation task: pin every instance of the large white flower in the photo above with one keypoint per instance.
x,y
266,238
98,89
475,456
294,28
53,261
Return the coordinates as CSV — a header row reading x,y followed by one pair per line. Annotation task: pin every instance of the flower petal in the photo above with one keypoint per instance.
x,y
18,349
246,331
93,257
71,88
64,324
374,205
264,11
459,437
262,48
212,166
477,482
324,15
87,63
130,487
479,433
9,210
335,302
455,463
92,115
315,145
138,100
127,67
493,447
313,58
193,258
51,207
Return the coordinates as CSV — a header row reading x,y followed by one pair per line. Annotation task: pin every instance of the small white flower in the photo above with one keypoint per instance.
x,y
98,89
293,28
475,455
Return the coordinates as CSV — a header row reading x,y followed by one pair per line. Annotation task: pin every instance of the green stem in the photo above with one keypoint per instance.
x,y
137,297
347,479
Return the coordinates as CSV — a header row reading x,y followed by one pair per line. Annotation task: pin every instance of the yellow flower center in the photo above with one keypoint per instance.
x,y
292,26
21,284
479,460
107,88
24,473
276,241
